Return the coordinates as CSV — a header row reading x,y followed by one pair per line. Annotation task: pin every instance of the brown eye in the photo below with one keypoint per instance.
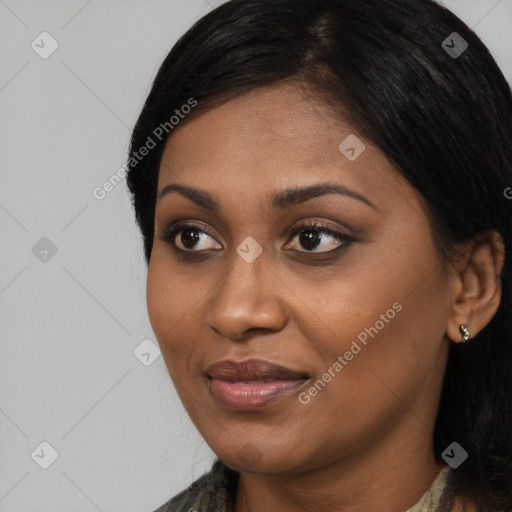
x,y
317,238
190,238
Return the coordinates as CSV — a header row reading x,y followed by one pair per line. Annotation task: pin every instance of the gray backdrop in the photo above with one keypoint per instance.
x,y
89,419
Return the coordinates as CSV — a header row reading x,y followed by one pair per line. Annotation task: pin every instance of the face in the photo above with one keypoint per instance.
x,y
273,243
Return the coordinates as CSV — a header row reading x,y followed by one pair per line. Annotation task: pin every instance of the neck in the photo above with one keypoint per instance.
x,y
357,483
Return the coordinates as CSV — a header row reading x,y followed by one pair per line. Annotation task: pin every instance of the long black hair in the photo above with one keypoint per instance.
x,y
438,107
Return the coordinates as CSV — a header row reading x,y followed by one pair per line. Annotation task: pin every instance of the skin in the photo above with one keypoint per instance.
x,y
364,442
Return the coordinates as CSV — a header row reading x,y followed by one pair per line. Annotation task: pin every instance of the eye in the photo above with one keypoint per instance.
x,y
189,238
313,237
317,237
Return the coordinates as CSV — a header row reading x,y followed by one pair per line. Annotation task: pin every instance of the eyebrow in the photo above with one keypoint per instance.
x,y
279,200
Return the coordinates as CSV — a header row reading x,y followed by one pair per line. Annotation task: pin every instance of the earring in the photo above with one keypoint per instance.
x,y
464,330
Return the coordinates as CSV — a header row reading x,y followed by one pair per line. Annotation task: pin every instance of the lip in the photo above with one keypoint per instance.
x,y
252,384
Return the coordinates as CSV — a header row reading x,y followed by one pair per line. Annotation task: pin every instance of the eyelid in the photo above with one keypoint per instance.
x,y
312,224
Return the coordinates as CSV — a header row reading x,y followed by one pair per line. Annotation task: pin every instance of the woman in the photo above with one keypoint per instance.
x,y
321,188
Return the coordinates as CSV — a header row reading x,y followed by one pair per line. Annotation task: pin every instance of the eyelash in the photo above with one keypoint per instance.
x,y
319,227
170,233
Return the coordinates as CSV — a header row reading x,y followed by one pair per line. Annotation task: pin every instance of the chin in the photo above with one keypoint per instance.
x,y
261,457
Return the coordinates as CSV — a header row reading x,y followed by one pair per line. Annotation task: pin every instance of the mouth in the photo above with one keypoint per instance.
x,y
252,384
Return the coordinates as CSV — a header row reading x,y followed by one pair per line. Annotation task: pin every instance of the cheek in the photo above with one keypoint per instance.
x,y
159,298
171,304
393,345
388,315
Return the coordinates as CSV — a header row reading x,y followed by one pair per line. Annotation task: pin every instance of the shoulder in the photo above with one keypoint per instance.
x,y
213,492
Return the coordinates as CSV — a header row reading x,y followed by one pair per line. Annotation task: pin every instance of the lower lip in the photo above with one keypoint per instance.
x,y
240,396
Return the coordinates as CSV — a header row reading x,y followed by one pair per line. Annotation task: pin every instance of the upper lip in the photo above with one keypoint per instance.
x,y
253,369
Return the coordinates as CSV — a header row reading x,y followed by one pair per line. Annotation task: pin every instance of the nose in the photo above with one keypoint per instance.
x,y
249,299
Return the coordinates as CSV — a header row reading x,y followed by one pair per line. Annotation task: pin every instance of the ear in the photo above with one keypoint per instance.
x,y
476,284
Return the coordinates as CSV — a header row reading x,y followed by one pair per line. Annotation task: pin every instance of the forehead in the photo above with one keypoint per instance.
x,y
270,138
264,123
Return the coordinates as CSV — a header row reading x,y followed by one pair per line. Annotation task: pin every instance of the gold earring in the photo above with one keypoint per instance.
x,y
464,330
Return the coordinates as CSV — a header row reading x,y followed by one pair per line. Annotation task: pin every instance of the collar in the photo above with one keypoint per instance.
x,y
216,492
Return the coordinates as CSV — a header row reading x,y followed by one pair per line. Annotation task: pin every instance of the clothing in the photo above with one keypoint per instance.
x,y
216,491
213,492
440,496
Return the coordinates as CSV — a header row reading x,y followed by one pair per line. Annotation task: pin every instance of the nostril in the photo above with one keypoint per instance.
x,y
249,333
